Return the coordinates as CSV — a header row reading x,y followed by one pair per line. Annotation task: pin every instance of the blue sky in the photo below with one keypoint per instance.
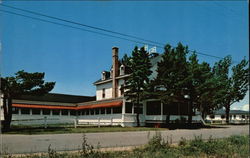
x,y
75,59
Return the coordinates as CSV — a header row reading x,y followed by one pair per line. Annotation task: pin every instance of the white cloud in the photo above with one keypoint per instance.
x,y
235,108
240,107
245,107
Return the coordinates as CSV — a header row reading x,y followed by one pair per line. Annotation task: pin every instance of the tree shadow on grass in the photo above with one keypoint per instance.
x,y
174,126
37,130
193,126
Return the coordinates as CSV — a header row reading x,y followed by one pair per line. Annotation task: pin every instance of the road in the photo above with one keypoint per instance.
x,y
13,144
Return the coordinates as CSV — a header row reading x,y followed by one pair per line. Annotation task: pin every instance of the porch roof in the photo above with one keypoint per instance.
x,y
36,106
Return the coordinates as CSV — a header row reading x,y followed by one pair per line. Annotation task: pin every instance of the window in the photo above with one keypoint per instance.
x,y
211,116
128,107
117,110
122,89
55,112
153,107
64,112
46,111
35,111
83,112
103,93
139,109
87,112
25,111
97,111
102,110
72,112
92,111
175,108
243,116
222,116
14,110
108,110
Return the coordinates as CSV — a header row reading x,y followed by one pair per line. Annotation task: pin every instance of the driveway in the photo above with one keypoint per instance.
x,y
64,142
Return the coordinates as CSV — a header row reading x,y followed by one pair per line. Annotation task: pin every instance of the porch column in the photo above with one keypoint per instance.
x,y
123,107
30,111
41,111
51,112
19,111
145,110
123,110
60,112
133,108
161,108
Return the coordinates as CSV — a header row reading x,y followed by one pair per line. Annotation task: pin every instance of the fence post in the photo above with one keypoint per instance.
x,y
98,122
111,121
74,123
45,122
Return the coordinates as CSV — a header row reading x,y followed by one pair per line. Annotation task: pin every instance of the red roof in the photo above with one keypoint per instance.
x,y
43,106
101,105
98,105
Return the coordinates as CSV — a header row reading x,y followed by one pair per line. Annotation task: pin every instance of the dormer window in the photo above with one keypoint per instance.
x,y
122,70
103,75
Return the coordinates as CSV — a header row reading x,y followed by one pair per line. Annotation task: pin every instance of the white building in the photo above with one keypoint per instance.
x,y
109,108
235,116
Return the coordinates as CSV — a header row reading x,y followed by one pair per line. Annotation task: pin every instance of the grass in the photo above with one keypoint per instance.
x,y
68,128
157,147
28,130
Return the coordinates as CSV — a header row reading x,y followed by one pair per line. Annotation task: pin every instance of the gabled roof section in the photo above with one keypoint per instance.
x,y
153,60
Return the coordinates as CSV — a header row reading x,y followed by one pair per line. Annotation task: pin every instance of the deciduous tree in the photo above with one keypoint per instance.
x,y
235,83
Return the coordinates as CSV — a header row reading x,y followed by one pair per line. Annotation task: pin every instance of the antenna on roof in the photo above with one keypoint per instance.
x,y
146,48
152,50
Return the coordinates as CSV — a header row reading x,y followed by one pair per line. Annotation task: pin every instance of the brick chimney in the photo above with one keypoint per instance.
x,y
115,71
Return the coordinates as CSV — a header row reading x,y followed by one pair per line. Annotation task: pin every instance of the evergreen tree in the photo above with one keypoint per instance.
x,y
171,82
137,82
202,87
22,83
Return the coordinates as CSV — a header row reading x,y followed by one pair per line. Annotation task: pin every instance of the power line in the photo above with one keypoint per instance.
x,y
193,51
81,24
100,33
56,23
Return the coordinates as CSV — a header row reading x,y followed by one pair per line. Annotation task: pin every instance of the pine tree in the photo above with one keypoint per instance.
x,y
137,82
171,77
22,83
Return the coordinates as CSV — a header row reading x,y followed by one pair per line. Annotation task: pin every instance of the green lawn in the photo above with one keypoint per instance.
x,y
61,129
68,128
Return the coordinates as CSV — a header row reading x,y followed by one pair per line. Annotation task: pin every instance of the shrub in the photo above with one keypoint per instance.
x,y
52,153
238,140
157,142
182,142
